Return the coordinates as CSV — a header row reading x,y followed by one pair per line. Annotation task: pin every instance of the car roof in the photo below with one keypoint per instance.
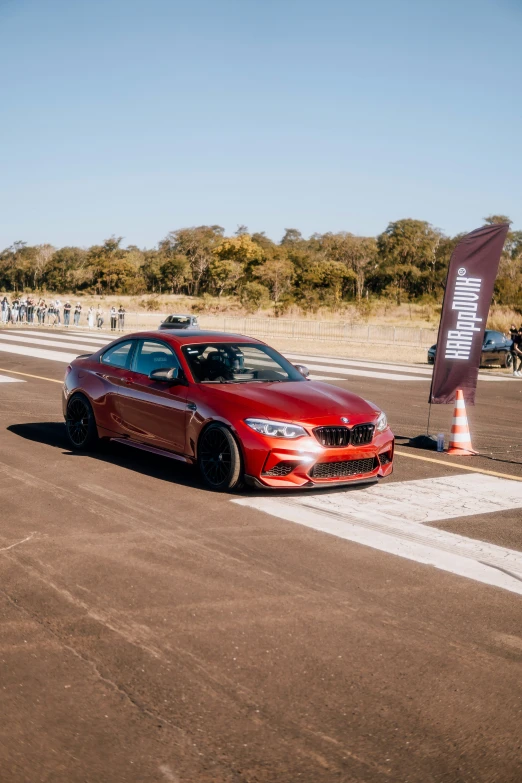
x,y
190,337
181,315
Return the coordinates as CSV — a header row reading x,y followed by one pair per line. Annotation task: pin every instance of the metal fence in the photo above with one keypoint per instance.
x,y
325,331
330,331
310,329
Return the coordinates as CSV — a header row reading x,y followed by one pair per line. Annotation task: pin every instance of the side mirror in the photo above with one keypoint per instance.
x,y
165,374
305,372
490,342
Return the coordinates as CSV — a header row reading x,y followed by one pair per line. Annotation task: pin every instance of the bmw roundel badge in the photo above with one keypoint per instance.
x,y
344,420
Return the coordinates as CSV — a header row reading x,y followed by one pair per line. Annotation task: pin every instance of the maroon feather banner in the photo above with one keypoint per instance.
x,y
469,287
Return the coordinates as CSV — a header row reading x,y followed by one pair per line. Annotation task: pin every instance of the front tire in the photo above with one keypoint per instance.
x,y
508,360
219,459
80,424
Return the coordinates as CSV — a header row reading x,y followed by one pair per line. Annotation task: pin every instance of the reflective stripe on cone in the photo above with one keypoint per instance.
x,y
460,438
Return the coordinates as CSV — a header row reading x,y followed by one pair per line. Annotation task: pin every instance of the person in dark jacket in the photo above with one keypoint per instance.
x,y
513,334
121,318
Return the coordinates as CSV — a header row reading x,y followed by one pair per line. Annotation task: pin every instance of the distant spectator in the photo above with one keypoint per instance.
x,y
114,318
41,311
99,318
4,308
121,318
90,317
513,333
15,309
57,312
77,313
66,313
516,350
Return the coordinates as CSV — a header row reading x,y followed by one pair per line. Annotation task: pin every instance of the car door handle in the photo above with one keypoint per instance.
x,y
127,381
192,406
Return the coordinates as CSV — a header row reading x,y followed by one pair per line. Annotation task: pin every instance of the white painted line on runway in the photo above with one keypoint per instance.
x,y
40,340
7,379
366,373
383,366
390,517
37,353
69,336
314,377
357,363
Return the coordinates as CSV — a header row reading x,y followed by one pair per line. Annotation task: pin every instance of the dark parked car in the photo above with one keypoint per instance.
x,y
180,322
495,350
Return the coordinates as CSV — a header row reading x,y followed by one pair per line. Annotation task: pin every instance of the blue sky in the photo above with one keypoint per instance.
x,y
136,117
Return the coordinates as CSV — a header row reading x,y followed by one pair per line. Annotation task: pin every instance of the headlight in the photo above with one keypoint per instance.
x,y
276,429
381,423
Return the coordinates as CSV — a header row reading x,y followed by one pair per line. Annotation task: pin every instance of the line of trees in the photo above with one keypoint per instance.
x,y
407,262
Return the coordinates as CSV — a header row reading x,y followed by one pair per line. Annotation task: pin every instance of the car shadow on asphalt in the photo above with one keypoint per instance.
x,y
52,433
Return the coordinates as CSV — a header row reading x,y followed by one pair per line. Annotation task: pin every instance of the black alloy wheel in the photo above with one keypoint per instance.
x,y
508,359
219,459
80,424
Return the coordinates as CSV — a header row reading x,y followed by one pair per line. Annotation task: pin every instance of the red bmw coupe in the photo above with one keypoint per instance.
x,y
228,403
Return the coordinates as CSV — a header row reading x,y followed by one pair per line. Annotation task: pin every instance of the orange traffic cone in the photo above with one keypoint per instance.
x,y
460,438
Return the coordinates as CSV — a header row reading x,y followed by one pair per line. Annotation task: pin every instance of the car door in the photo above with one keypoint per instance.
x,y
502,347
494,347
113,369
153,412
489,349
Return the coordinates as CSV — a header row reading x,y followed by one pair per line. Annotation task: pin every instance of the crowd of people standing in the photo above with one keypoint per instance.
x,y
28,310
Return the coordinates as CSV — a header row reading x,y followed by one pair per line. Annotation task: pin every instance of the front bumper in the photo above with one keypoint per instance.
x,y
279,464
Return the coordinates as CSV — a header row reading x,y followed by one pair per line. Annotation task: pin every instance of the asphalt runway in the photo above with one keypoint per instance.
x,y
155,631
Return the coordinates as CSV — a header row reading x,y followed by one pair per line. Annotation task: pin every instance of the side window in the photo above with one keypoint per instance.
x,y
119,355
152,355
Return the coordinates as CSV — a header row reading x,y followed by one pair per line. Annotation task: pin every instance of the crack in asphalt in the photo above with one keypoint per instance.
x,y
17,543
94,667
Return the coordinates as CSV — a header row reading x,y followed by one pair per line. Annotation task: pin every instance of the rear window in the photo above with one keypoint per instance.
x,y
497,337
118,355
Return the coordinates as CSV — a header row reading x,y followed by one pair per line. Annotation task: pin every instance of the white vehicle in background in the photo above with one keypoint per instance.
x,y
180,322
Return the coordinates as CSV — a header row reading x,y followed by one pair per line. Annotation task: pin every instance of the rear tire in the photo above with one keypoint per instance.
x,y
219,459
80,424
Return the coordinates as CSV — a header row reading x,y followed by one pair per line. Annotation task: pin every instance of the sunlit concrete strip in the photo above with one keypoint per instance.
x,y
458,465
390,367
384,366
49,342
387,376
390,517
68,336
30,375
7,379
315,377
37,353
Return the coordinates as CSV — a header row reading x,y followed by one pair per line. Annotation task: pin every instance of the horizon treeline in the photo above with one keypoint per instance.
x,y
407,262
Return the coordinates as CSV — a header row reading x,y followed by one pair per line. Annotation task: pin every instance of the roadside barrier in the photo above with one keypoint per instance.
x,y
296,329
460,438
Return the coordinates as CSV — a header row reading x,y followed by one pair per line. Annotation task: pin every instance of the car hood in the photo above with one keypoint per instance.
x,y
300,401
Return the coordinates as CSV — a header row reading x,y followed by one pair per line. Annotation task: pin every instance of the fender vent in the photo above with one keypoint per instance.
x,y
281,469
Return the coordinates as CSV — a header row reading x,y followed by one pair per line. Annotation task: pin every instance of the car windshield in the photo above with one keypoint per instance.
x,y
182,320
238,363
